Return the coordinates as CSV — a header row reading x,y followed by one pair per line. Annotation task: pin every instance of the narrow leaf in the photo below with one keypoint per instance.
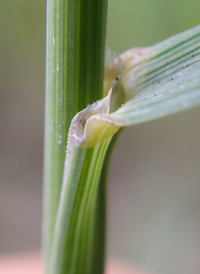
x,y
161,80
157,81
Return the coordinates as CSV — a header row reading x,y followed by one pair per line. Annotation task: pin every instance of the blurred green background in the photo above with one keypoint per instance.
x,y
154,182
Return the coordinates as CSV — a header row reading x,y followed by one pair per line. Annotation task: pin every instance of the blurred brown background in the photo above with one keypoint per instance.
x,y
154,182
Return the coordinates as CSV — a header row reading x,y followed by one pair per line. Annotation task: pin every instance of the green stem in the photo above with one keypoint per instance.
x,y
77,237
76,31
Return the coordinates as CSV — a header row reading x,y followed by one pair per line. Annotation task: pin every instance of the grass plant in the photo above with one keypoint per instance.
x,y
87,102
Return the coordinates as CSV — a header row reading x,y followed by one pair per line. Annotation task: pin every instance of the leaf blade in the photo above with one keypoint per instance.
x,y
164,79
157,81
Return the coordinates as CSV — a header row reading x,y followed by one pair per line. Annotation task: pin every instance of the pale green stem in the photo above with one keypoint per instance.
x,y
77,240
76,33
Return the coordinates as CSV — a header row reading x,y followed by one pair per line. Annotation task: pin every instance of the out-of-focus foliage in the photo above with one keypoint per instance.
x,y
22,55
135,23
